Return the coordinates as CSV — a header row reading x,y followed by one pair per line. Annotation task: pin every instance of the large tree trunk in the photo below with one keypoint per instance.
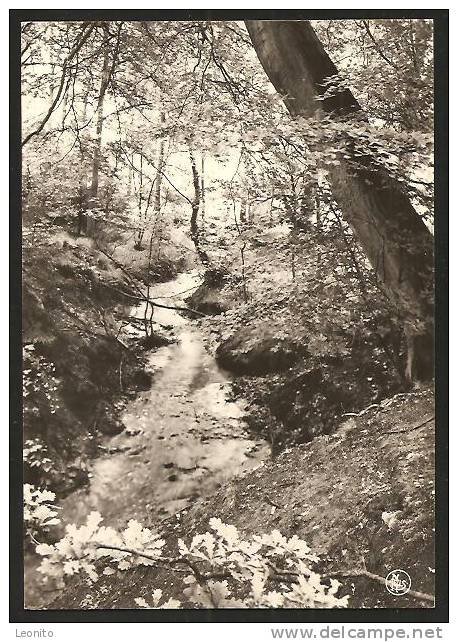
x,y
394,237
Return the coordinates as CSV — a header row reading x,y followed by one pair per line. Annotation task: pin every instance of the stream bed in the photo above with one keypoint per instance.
x,y
183,437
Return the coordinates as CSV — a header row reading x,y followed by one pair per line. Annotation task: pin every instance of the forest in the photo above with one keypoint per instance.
x,y
228,313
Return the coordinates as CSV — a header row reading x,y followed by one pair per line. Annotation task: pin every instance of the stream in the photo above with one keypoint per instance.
x,y
183,437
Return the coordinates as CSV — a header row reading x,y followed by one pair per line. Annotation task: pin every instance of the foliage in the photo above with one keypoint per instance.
x,y
37,368
35,455
155,599
208,83
224,570
83,546
388,63
39,510
255,566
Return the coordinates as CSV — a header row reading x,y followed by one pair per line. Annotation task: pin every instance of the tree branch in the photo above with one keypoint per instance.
x,y
424,597
377,46
77,46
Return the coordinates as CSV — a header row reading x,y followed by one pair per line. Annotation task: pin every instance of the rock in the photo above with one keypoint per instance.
x,y
108,423
111,426
245,355
155,341
208,298
205,300
391,519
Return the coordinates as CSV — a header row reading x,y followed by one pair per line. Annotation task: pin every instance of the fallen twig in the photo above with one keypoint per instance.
x,y
138,297
398,432
424,597
382,405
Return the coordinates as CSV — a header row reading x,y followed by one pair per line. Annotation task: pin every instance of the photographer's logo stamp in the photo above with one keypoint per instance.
x,y
398,582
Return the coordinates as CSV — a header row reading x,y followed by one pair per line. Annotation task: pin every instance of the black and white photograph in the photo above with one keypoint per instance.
x,y
230,236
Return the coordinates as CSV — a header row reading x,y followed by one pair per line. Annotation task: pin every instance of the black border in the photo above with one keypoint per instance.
x,y
438,614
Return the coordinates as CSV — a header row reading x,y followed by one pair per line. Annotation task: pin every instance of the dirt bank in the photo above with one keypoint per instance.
x,y
78,368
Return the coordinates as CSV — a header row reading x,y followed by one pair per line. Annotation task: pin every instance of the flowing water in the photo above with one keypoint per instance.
x,y
183,437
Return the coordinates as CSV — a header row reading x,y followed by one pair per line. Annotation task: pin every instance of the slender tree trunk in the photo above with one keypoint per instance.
x,y
141,224
160,170
195,207
82,182
99,126
249,209
129,183
392,234
64,109
308,190
202,189
158,187
243,204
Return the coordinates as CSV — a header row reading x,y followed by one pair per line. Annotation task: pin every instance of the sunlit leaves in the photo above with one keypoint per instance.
x,y
39,509
82,546
155,602
226,571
